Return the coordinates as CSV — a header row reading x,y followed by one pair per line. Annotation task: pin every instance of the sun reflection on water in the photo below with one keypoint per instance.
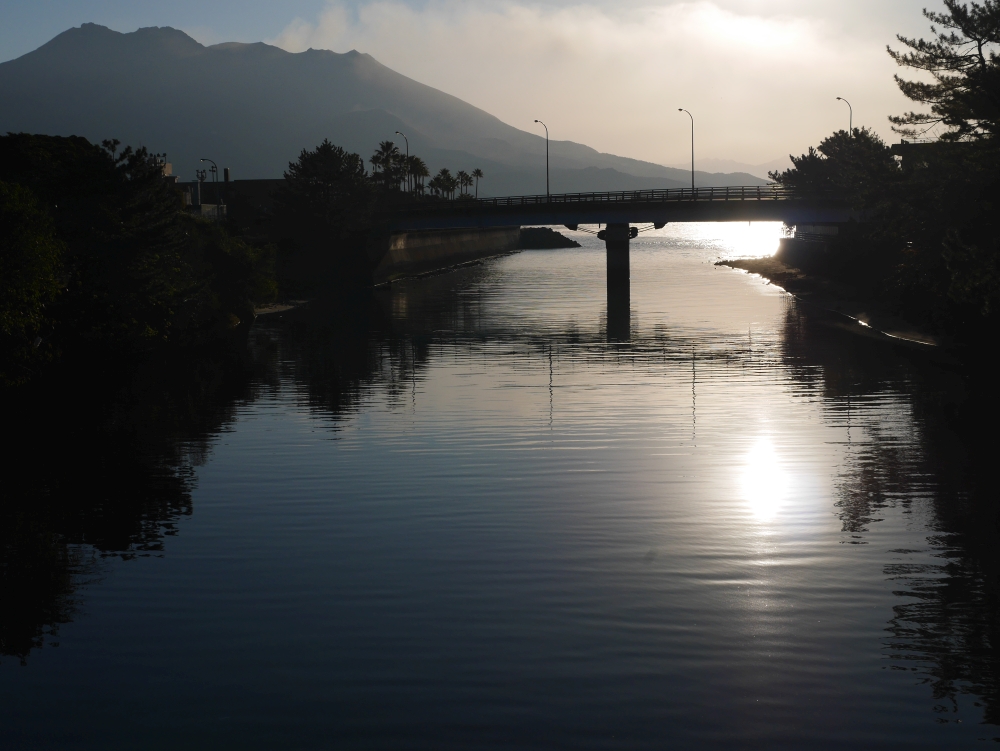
x,y
763,483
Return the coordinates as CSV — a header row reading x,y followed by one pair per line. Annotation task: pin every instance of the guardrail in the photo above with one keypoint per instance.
x,y
670,195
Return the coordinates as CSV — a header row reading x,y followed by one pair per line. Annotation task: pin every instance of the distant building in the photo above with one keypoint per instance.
x,y
249,203
193,193
914,153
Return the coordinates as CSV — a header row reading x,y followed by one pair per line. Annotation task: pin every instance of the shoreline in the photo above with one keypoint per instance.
x,y
836,298
278,307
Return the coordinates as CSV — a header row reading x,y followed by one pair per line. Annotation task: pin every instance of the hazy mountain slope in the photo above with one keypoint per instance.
x,y
253,107
731,165
354,131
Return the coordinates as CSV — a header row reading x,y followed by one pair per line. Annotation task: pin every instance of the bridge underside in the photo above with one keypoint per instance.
x,y
788,211
617,211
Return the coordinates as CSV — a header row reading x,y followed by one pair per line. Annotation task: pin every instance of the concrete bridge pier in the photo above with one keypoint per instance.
x,y
616,240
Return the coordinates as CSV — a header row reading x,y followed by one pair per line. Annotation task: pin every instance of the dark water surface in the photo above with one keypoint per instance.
x,y
457,516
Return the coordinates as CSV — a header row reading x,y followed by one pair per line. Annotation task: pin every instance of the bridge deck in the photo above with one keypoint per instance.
x,y
722,204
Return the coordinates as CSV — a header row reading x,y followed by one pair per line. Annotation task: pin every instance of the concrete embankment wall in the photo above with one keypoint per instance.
x,y
408,253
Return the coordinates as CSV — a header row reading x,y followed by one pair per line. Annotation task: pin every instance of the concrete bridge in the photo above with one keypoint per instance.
x,y
468,228
756,203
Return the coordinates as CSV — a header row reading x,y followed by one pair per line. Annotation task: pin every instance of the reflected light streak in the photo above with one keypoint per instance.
x,y
763,484
731,239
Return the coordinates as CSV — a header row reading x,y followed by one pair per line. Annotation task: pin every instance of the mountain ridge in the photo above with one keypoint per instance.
x,y
254,107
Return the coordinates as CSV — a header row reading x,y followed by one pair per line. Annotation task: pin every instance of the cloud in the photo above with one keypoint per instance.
x,y
760,84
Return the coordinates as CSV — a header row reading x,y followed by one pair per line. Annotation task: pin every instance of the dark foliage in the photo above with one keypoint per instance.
x,y
329,188
962,60
125,259
331,213
929,239
133,270
30,274
328,206
859,164
241,275
926,240
947,208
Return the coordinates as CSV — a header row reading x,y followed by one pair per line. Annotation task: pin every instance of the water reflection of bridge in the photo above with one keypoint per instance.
x,y
618,211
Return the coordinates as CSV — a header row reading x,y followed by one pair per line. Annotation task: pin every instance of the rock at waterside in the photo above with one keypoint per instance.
x,y
544,238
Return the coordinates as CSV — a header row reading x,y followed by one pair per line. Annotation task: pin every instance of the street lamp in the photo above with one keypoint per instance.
x,y
681,109
546,156
850,129
215,180
408,188
214,170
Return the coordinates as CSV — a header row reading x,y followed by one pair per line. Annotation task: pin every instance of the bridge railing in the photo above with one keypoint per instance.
x,y
669,195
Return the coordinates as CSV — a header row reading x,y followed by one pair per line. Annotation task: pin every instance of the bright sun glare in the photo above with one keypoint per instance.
x,y
756,240
764,484
729,239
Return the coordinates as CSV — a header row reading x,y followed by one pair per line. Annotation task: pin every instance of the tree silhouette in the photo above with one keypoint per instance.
x,y
477,173
400,170
31,262
329,186
136,271
859,165
386,161
464,180
962,59
446,182
418,171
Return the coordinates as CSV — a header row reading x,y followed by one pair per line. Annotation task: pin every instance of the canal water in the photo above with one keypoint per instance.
x,y
458,514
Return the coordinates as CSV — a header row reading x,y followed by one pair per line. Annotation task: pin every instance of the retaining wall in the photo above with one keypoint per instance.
x,y
409,253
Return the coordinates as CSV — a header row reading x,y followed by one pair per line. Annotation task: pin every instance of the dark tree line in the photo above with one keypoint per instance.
x,y
395,170
332,210
97,257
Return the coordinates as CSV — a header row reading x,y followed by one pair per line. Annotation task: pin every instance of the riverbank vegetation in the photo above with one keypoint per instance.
x,y
928,243
330,213
97,258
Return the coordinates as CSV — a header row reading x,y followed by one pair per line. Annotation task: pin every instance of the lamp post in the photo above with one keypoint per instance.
x,y
215,180
850,129
214,170
546,156
681,109
398,133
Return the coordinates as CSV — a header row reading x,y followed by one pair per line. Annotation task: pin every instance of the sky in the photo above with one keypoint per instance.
x,y
761,77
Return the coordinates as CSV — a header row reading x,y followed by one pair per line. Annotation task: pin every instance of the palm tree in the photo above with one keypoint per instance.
x,y
418,170
385,160
463,181
399,169
477,173
446,183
